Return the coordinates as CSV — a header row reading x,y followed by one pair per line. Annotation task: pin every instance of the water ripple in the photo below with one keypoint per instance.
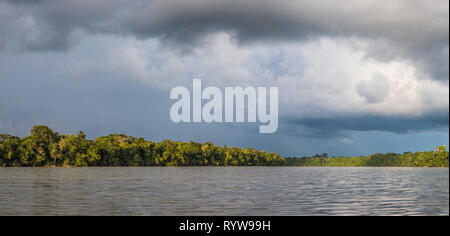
x,y
224,191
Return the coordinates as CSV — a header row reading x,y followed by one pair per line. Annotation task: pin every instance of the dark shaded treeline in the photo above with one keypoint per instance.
x,y
44,147
436,158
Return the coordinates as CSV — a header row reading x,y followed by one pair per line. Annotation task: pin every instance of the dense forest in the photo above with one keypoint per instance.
x,y
44,147
436,158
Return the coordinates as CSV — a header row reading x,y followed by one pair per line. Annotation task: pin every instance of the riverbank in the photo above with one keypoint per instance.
x,y
46,148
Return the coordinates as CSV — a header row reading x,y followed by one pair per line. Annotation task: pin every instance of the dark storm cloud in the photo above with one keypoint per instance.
x,y
54,25
249,21
416,30
333,127
414,22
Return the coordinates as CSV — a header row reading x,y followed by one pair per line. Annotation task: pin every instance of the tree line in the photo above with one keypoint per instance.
x,y
437,158
44,147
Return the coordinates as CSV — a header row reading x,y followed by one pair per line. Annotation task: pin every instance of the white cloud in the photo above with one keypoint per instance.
x,y
337,79
325,78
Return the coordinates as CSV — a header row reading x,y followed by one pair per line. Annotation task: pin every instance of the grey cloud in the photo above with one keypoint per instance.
x,y
50,25
412,30
415,30
340,126
260,19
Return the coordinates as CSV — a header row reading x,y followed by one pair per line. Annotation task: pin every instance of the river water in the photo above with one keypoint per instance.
x,y
224,191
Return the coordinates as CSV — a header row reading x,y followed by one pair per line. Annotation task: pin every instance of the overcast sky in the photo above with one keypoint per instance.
x,y
354,77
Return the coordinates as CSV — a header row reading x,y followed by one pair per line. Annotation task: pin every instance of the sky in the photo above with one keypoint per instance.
x,y
354,77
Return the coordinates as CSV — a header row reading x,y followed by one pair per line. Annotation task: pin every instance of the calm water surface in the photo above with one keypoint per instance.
x,y
224,191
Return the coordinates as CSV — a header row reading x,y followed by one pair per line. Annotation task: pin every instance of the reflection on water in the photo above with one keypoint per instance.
x,y
224,191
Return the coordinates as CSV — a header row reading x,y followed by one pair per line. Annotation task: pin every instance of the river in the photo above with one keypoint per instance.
x,y
224,191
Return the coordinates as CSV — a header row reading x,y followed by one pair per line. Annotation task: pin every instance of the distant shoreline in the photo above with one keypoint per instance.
x,y
46,148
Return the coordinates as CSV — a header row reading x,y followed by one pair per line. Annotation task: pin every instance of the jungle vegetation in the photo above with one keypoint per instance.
x,y
436,158
44,147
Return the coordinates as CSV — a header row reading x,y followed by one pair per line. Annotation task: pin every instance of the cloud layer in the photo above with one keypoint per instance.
x,y
415,30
